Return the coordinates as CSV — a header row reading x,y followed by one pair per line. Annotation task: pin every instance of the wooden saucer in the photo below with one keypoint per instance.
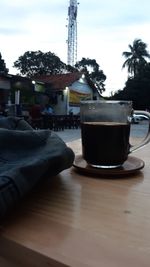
x,y
131,165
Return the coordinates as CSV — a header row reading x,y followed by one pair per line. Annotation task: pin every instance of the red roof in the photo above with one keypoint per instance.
x,y
59,81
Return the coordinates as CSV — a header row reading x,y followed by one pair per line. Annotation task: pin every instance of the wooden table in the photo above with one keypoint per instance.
x,y
79,221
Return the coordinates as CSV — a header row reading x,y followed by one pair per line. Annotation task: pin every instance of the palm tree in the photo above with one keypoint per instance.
x,y
135,59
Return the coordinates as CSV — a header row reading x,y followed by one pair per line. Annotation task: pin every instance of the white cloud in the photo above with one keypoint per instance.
x,y
105,28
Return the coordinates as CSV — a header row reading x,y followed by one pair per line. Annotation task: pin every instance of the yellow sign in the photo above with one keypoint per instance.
x,y
75,97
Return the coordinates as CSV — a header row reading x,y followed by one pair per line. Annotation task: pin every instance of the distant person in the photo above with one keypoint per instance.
x,y
35,111
48,110
35,116
71,112
2,110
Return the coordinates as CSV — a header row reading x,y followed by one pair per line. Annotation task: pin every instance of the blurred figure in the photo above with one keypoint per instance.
x,y
48,110
35,116
3,111
35,111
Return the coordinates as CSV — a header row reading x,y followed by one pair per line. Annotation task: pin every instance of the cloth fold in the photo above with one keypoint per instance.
x,y
26,157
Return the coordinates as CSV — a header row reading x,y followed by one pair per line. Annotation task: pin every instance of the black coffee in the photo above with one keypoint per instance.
x,y
105,144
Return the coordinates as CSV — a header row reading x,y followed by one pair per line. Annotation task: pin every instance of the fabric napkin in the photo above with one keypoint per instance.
x,y
26,157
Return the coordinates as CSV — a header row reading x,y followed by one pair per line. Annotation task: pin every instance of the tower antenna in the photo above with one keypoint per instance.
x,y
72,33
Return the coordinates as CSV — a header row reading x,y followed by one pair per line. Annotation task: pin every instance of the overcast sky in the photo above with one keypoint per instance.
x,y
105,29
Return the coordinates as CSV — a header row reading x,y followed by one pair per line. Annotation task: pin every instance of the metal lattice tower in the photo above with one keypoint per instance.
x,y
72,33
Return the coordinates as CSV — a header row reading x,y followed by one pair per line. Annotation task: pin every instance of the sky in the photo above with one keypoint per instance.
x,y
104,31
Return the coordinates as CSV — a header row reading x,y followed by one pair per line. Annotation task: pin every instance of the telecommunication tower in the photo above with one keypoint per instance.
x,y
72,33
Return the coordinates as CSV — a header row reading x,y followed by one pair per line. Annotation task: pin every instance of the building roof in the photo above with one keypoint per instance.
x,y
59,81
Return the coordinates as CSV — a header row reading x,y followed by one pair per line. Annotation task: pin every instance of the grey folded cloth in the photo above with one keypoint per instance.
x,y
26,157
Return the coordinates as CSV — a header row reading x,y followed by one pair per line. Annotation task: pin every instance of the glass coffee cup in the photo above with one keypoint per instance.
x,y
105,132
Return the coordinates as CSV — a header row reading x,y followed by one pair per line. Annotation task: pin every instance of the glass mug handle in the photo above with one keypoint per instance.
x,y
146,140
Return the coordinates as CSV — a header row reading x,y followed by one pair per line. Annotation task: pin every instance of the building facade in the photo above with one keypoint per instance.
x,y
62,91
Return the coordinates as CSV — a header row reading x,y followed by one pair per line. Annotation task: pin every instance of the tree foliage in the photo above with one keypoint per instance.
x,y
136,57
37,62
3,69
137,89
92,71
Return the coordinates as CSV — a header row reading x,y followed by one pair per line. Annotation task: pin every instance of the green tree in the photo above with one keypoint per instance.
x,y
137,89
93,72
37,62
3,69
135,58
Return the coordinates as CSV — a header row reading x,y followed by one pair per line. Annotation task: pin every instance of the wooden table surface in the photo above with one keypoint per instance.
x,y
79,221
